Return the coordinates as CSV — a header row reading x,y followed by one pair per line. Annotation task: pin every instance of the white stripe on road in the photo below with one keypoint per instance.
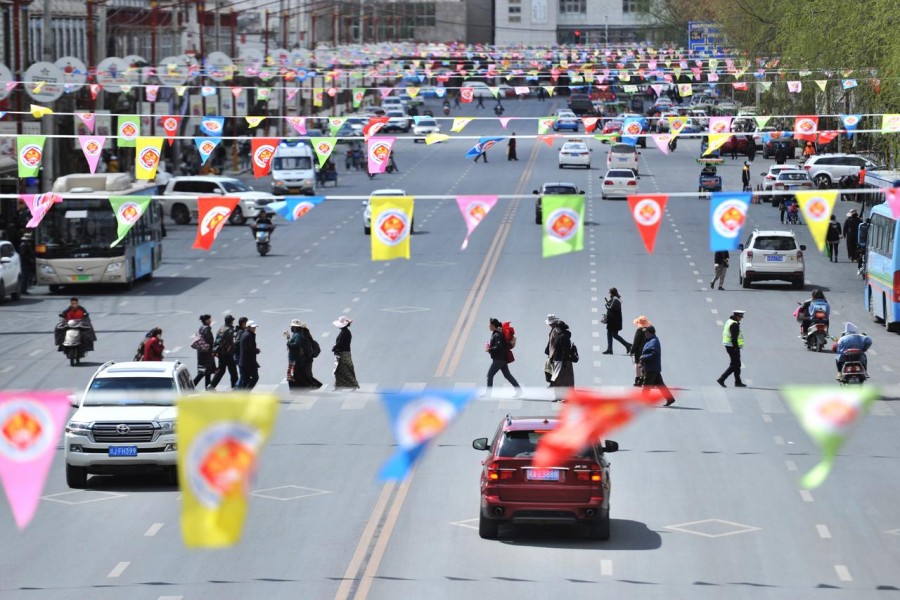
x,y
302,404
606,567
241,300
767,418
806,495
880,409
254,290
153,530
791,465
779,441
171,598
35,352
823,532
175,349
118,569
843,572
6,369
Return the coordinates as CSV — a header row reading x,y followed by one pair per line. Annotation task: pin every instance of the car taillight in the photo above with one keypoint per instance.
x,y
608,182
819,315
896,286
497,474
594,475
799,255
749,254
632,182
807,167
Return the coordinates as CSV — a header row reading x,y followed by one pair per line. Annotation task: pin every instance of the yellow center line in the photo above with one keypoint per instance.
x,y
346,587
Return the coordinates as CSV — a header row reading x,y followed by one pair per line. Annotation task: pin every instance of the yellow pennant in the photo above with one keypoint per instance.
x,y
146,160
220,437
180,89
821,83
434,138
817,206
412,91
39,111
716,141
460,122
392,222
548,89
254,121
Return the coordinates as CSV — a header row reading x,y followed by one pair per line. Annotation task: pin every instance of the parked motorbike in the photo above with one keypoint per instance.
x,y
74,338
853,371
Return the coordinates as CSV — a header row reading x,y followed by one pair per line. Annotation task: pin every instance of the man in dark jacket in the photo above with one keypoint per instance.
x,y
223,349
733,340
833,238
238,334
500,353
780,154
720,258
249,366
851,231
651,362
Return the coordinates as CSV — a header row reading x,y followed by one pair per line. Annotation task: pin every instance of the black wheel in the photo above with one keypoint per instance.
x,y
237,216
823,181
488,529
367,230
798,284
55,289
172,475
76,477
180,214
745,282
17,291
537,219
2,293
599,528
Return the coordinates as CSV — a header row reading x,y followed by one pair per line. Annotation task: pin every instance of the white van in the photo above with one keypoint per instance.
x,y
293,169
623,156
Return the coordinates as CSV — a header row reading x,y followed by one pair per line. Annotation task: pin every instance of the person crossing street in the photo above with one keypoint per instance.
x,y
733,340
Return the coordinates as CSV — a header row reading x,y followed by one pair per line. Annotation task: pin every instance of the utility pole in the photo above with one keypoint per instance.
x,y
48,126
218,26
362,21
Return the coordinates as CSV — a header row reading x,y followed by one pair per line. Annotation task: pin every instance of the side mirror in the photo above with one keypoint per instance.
x,y
803,247
610,446
221,192
740,246
480,444
73,400
535,192
365,202
5,260
763,174
581,192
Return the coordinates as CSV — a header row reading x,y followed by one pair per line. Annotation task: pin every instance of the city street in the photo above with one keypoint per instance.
x,y
705,497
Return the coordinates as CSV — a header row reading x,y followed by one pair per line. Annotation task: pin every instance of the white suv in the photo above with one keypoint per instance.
x,y
827,169
10,272
181,193
772,256
125,420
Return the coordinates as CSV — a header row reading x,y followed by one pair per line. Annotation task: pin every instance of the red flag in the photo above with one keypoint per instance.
x,y
647,210
590,123
585,419
826,136
805,127
170,126
466,94
374,125
214,211
262,150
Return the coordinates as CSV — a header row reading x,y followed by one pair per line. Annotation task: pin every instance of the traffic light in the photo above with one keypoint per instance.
x,y
577,36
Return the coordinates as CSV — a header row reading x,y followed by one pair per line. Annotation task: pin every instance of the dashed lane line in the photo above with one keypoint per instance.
x,y
153,530
118,570
823,532
791,465
843,572
806,496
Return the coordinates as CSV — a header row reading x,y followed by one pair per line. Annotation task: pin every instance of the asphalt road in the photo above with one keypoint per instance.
x,y
705,500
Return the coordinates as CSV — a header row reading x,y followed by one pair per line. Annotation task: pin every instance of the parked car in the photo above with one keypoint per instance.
x,y
769,177
181,194
772,255
789,180
623,156
619,183
581,105
125,420
514,491
827,169
548,189
770,148
11,281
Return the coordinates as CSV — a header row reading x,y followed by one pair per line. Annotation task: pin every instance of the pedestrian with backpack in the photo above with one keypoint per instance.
x,y
302,350
248,365
203,343
499,348
223,349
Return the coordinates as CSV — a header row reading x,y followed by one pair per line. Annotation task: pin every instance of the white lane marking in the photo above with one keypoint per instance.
x,y
346,310
123,303
595,348
714,311
687,255
364,290
355,300
720,323
806,495
175,349
791,465
153,530
118,569
709,299
302,404
372,280
277,273
779,441
6,369
696,272
171,598
880,409
873,352
823,532
595,334
266,281
598,363
326,334
241,300
843,572
606,567
767,418
887,367
690,264
254,290
35,352
594,309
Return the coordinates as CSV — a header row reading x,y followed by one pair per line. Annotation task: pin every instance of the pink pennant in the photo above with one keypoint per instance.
x,y
92,146
379,152
292,93
385,92
31,424
299,124
11,85
236,91
474,209
88,119
504,121
892,196
151,91
662,141
38,204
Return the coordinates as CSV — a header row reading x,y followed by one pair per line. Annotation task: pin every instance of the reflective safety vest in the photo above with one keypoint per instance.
x,y
726,334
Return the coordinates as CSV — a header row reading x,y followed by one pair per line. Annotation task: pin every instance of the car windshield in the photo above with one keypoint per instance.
x,y
115,391
427,123
623,173
779,243
236,186
559,189
285,163
394,114
523,444
574,148
622,149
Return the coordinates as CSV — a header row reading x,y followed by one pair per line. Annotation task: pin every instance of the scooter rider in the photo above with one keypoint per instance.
x,y
816,303
263,222
851,339
498,108
73,312
446,106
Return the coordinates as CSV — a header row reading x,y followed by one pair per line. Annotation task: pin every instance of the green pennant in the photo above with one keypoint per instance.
x,y
127,131
563,224
828,414
30,152
128,210
323,146
335,124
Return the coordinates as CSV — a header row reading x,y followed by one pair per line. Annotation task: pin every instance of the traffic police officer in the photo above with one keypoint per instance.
x,y
733,340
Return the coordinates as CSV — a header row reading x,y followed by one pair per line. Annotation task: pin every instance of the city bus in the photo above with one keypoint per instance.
x,y
882,294
72,242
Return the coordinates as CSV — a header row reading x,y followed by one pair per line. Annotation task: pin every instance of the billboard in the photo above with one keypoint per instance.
x,y
704,37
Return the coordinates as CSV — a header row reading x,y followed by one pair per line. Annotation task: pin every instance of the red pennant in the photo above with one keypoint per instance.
x,y
466,94
826,136
170,125
95,89
262,150
647,210
892,197
586,418
805,127
214,212
374,125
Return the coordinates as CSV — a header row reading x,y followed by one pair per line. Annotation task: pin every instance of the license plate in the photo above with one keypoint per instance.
x,y
123,450
543,475
293,190
623,159
774,259
79,278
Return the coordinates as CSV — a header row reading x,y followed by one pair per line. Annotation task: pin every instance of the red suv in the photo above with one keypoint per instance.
x,y
513,491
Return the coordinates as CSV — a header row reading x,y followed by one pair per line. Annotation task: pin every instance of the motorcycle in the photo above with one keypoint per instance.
x,y
498,109
262,232
817,331
74,338
446,110
853,371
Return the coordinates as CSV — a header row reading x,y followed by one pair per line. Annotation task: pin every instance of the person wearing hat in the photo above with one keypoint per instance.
x,y
851,339
733,340
745,176
344,371
637,347
851,233
248,365
223,349
206,362
302,350
651,361
558,369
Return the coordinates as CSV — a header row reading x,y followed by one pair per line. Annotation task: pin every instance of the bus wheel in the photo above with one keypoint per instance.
x,y
180,214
